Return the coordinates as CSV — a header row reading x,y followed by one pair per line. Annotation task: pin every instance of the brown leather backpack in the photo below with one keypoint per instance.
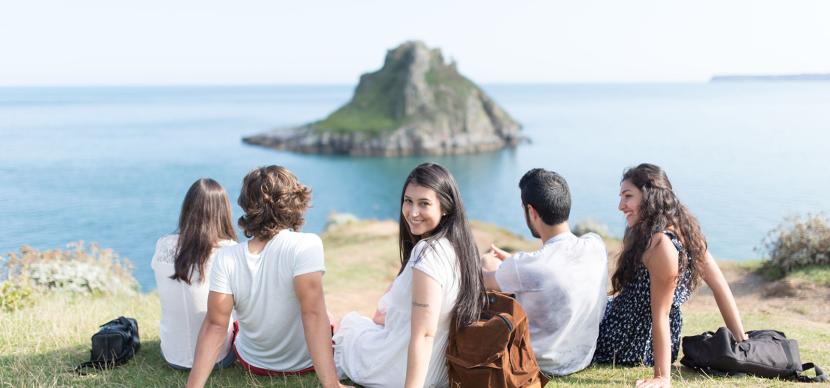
x,y
494,351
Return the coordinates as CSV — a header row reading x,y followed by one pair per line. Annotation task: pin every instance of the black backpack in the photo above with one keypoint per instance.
x,y
114,344
767,353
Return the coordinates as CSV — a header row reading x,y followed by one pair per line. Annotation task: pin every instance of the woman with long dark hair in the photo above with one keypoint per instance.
x,y
664,257
439,282
182,263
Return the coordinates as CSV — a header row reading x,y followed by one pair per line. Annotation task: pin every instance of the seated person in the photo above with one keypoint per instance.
x,y
182,265
439,281
663,258
562,285
274,284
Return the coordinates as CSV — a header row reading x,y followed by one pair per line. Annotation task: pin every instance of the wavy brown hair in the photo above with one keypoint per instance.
x,y
659,210
453,226
205,219
273,199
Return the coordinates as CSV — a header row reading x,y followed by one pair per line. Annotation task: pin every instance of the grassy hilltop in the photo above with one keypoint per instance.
x,y
40,344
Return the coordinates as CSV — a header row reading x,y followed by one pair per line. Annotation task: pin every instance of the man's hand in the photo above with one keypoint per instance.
x,y
490,262
499,253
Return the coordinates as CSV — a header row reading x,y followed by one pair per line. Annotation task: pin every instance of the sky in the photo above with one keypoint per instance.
x,y
183,42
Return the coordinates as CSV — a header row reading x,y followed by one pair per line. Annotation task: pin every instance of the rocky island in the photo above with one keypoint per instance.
x,y
416,104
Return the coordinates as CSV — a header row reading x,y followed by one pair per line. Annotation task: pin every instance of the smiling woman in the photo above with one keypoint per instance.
x,y
439,283
421,209
664,256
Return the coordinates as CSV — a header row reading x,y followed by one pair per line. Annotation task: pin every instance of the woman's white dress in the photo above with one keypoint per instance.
x,y
375,356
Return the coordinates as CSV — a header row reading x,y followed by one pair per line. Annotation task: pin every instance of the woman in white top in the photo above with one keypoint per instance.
x,y
439,284
274,283
182,263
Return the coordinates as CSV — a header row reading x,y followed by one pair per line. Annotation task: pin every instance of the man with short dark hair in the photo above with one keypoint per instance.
x,y
562,286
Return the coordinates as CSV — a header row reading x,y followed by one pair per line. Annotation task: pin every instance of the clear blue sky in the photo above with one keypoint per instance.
x,y
103,42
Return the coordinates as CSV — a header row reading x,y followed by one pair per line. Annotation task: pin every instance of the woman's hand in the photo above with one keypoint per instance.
x,y
379,318
654,382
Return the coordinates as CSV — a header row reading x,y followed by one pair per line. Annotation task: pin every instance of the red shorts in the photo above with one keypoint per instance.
x,y
260,371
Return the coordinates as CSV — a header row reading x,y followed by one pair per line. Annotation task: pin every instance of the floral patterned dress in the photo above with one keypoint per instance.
x,y
625,331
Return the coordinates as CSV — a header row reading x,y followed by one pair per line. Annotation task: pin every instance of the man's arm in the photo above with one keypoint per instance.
x,y
211,337
309,290
489,265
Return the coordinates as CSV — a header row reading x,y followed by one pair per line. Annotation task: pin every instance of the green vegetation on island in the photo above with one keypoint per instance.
x,y
415,104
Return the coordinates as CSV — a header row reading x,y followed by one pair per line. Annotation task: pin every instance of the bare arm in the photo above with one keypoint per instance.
x,y
714,278
211,337
661,261
426,306
316,325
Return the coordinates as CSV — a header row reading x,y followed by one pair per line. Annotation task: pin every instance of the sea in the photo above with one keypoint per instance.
x,y
111,165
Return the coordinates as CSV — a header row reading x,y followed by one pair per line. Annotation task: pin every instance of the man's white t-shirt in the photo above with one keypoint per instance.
x,y
183,306
271,332
562,288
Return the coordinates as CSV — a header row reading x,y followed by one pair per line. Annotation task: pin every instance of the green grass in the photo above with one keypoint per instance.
x,y
41,344
812,274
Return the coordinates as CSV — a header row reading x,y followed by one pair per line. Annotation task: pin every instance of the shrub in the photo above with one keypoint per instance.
x,y
78,269
14,296
799,242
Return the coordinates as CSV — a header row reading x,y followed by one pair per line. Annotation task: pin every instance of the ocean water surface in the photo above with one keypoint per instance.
x,y
112,164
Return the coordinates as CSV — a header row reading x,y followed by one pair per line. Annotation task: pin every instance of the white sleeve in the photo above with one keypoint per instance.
x,y
309,257
432,260
508,275
219,275
156,254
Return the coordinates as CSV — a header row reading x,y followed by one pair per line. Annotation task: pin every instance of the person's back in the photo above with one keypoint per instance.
x,y
562,285
183,306
270,329
562,289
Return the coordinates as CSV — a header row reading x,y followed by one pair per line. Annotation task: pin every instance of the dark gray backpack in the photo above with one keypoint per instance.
x,y
767,353
115,343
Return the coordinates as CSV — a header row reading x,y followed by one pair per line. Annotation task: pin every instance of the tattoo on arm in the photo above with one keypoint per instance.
x,y
416,304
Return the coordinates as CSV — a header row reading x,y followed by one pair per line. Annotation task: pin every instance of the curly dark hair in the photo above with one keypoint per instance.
x,y
273,199
660,209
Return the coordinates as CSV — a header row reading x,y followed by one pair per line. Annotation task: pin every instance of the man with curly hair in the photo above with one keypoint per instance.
x,y
274,284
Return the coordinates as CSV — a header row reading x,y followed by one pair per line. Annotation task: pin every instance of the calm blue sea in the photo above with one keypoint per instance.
x,y
112,164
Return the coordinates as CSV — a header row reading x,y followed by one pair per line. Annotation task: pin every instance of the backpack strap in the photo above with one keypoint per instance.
x,y
821,377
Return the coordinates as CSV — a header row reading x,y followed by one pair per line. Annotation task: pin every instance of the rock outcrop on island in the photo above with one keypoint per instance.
x,y
415,105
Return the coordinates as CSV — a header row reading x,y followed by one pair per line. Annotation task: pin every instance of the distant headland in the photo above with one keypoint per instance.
x,y
416,104
772,77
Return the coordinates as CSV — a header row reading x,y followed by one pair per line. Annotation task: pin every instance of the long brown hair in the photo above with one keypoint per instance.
x,y
204,221
659,210
453,226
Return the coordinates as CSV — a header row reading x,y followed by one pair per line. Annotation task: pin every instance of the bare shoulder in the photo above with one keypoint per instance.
x,y
661,255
